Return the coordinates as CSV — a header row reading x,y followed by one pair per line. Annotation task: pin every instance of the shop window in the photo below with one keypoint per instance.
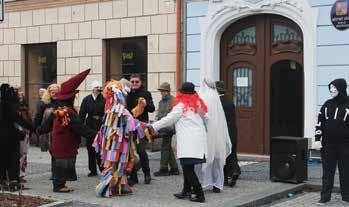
x,y
40,69
125,57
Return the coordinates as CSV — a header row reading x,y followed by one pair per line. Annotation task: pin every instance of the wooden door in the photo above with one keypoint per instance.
x,y
249,48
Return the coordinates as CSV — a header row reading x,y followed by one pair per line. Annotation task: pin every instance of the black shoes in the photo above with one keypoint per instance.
x,y
162,172
174,172
165,172
147,179
200,198
216,190
323,202
92,174
182,195
14,186
231,180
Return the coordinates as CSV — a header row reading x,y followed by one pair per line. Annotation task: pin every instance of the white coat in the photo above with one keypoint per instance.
x,y
190,132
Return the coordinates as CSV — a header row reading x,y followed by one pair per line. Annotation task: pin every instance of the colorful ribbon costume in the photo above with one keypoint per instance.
x,y
115,142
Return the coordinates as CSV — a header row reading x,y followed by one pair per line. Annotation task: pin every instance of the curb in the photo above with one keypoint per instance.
x,y
317,187
265,197
55,203
268,196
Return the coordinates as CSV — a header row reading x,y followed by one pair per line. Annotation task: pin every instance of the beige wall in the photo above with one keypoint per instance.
x,y
79,31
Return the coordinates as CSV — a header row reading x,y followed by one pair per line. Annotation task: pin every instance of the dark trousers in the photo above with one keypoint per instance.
x,y
94,158
232,168
143,160
191,181
168,158
13,166
332,155
10,167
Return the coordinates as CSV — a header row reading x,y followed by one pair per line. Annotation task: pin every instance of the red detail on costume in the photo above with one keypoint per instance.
x,y
109,101
64,141
191,102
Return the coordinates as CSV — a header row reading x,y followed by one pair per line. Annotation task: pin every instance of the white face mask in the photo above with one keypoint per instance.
x,y
333,91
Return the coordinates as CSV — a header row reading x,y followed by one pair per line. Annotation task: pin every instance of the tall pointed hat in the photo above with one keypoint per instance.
x,y
69,87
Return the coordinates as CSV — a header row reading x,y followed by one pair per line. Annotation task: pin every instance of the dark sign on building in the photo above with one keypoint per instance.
x,y
2,10
339,14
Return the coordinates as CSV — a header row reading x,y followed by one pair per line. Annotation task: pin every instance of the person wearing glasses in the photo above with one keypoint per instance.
x,y
92,106
139,91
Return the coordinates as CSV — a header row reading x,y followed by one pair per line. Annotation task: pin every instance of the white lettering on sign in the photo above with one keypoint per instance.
x,y
242,82
2,10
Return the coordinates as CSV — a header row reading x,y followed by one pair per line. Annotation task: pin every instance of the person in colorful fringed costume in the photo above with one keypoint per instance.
x,y
67,129
116,140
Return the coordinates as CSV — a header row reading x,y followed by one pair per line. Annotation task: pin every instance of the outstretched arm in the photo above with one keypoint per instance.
x,y
170,119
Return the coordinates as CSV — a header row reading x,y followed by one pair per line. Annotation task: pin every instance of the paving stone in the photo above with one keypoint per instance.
x,y
253,181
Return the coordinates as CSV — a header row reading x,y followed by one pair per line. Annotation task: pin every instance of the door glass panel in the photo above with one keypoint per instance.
x,y
242,87
245,36
284,33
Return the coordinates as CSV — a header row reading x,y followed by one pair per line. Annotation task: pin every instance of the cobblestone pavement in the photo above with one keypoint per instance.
x,y
254,180
309,200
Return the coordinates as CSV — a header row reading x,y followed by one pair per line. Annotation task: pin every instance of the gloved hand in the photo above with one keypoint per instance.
x,y
151,129
317,145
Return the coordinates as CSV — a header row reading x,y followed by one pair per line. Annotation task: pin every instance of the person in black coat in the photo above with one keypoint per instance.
x,y
10,136
91,113
138,91
231,169
333,132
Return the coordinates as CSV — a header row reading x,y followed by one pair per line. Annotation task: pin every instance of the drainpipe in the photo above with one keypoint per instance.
x,y
179,43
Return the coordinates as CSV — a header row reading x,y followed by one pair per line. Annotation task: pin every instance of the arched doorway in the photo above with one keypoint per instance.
x,y
260,57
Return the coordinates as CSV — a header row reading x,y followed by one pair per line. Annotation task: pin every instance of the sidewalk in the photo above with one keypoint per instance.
x,y
254,183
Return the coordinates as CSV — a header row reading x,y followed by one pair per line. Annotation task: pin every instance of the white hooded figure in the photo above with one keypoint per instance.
x,y
211,174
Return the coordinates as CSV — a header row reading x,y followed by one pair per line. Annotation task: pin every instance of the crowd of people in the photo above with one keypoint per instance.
x,y
114,120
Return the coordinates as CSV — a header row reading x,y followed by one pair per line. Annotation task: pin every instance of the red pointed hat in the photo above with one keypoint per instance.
x,y
69,87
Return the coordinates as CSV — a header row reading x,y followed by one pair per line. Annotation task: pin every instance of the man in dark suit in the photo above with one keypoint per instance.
x,y
92,106
231,169
139,91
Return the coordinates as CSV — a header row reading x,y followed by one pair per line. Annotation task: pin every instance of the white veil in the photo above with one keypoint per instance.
x,y
218,140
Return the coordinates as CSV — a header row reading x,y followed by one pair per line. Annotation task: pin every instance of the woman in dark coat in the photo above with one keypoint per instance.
x,y
66,129
10,137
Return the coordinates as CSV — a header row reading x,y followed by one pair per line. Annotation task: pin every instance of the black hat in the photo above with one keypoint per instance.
x,y
220,86
188,88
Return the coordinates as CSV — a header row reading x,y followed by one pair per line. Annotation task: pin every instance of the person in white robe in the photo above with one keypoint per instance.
x,y
210,173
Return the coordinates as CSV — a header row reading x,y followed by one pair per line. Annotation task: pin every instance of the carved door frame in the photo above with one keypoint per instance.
x,y
258,56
